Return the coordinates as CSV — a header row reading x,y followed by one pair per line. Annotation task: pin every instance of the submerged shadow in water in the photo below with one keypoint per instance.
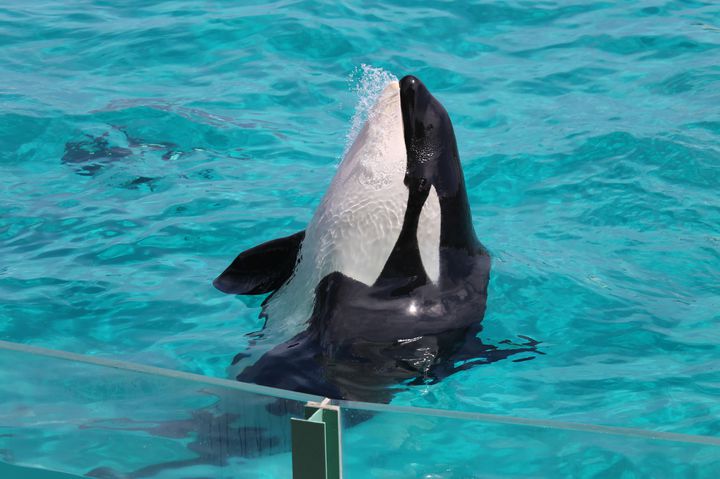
x,y
238,426
92,154
373,371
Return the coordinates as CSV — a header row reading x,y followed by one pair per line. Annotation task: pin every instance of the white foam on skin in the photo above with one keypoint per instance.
x,y
368,87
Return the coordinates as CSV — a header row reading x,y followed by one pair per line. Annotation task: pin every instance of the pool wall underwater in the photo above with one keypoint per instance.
x,y
102,418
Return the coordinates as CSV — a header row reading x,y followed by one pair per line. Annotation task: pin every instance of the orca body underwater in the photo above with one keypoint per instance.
x,y
389,280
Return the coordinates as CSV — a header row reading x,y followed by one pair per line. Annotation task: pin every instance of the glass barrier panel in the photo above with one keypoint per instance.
x,y
396,442
107,419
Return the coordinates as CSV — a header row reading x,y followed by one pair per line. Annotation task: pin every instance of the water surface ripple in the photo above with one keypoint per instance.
x,y
143,145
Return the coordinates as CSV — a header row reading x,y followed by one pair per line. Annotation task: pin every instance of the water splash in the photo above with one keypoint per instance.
x,y
368,83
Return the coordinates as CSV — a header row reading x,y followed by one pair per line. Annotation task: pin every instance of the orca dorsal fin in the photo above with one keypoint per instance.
x,y
261,269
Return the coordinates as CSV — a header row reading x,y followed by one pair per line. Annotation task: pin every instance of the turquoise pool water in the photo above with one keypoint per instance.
x,y
142,147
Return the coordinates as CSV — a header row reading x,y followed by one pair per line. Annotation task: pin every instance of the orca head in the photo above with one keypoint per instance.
x,y
432,157
433,161
433,176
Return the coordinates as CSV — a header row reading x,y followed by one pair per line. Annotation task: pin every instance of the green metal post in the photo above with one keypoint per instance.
x,y
316,448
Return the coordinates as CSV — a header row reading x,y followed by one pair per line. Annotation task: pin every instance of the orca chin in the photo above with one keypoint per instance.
x,y
387,285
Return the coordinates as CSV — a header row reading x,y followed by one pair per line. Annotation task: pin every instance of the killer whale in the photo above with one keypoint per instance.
x,y
388,284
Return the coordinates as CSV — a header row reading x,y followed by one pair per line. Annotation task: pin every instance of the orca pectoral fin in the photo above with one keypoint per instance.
x,y
261,269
